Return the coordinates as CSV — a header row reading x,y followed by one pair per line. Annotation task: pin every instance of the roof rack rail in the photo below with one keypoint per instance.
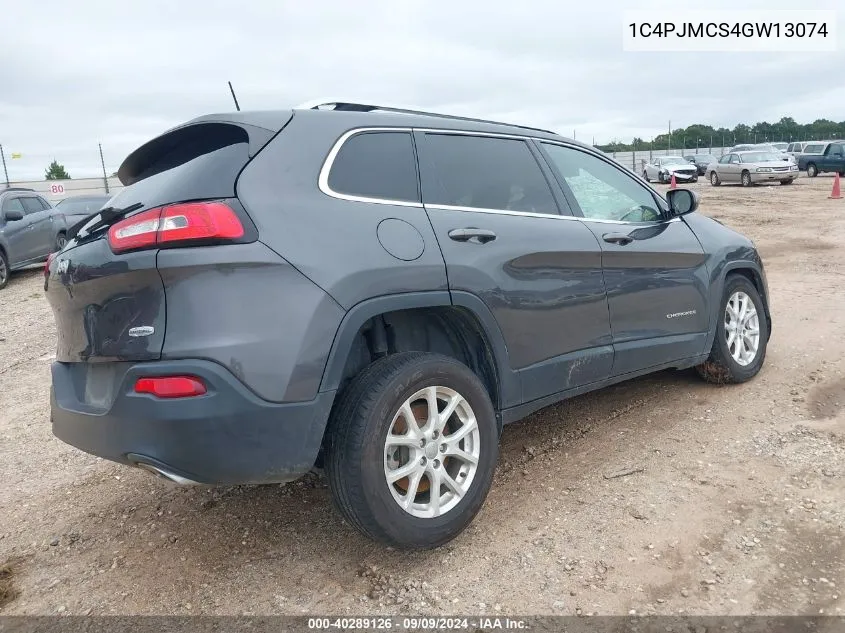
x,y
16,189
344,106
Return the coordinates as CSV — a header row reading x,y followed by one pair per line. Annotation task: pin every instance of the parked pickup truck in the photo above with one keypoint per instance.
x,y
819,157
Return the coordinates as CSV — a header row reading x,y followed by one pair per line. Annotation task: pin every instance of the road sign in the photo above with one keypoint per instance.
x,y
57,189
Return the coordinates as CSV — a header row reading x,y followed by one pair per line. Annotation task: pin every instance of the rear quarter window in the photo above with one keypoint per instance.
x,y
814,149
376,165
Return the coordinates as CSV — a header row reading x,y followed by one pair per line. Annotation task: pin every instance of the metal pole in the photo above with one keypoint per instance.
x,y
103,163
670,135
5,171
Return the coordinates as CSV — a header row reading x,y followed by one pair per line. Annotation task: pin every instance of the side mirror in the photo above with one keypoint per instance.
x,y
12,215
681,201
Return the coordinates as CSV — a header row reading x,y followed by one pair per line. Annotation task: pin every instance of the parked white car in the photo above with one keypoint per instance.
x,y
663,168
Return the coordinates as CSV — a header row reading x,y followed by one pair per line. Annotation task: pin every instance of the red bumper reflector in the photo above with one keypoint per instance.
x,y
171,386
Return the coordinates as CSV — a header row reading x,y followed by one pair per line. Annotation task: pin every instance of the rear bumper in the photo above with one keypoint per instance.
x,y
227,436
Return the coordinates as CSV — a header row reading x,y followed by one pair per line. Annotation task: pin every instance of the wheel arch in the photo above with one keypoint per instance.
x,y
457,324
753,272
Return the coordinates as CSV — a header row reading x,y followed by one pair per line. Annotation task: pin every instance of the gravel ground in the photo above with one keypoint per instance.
x,y
739,507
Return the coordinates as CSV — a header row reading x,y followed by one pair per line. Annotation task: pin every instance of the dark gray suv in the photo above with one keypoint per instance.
x,y
376,293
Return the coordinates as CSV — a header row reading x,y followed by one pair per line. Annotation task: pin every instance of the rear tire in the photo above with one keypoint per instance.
x,y
727,363
4,270
61,240
365,444
745,178
812,170
714,179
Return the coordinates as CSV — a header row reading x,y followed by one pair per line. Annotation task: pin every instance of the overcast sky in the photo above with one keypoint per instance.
x,y
73,74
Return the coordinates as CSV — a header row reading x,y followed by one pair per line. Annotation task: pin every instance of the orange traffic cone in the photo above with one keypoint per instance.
x,y
835,194
673,184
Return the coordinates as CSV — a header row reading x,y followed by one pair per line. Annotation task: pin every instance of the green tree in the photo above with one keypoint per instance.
x,y
704,136
56,171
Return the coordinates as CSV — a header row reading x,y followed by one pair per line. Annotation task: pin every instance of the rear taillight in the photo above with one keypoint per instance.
x,y
176,224
171,386
49,261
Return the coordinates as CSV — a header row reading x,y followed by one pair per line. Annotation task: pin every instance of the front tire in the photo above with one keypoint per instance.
x,y
746,179
645,176
714,179
742,334
410,426
61,240
786,182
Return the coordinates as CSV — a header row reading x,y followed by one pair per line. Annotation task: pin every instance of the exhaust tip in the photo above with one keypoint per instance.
x,y
158,471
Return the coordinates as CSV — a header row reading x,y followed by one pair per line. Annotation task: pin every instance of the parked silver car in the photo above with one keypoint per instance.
x,y
663,168
764,147
749,168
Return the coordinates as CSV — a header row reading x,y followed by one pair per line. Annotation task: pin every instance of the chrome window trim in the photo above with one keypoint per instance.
x,y
553,216
323,179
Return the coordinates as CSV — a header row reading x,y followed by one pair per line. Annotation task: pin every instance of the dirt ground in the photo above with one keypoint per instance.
x,y
739,508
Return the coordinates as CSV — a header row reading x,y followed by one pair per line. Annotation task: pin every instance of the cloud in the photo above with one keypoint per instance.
x,y
74,75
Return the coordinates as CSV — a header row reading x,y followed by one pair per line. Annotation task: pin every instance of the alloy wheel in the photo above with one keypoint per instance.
x,y
742,328
431,452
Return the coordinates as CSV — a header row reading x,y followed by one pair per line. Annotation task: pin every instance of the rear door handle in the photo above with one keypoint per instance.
x,y
622,239
479,236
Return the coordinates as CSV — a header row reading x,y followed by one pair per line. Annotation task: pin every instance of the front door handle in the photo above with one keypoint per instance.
x,y
622,239
479,236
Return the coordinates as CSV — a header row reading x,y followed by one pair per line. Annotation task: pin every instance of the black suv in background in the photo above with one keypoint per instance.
x,y
377,292
30,229
701,161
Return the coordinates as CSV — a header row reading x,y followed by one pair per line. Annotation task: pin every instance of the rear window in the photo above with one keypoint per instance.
x,y
376,165
484,172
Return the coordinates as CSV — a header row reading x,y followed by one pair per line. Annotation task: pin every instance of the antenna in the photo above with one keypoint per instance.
x,y
232,90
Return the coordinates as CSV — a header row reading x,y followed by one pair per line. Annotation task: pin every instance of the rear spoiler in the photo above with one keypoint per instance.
x,y
201,136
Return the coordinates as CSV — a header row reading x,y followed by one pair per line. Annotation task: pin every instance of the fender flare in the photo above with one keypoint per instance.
x,y
509,386
718,289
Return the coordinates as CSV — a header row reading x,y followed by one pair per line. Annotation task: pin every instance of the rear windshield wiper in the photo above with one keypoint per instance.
x,y
107,216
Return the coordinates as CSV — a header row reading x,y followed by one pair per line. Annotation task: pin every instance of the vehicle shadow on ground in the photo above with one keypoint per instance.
x,y
220,528
24,276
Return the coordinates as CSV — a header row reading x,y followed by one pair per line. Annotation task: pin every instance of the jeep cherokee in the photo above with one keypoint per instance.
x,y
376,292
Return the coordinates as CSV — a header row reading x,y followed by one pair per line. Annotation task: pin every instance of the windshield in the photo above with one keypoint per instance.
x,y
706,158
81,205
780,146
674,160
760,157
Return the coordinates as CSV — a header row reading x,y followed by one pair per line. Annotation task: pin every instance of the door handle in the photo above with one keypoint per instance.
x,y
622,239
479,236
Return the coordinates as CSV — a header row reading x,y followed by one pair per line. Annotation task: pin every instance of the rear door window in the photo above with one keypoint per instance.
x,y
376,165
485,173
31,205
